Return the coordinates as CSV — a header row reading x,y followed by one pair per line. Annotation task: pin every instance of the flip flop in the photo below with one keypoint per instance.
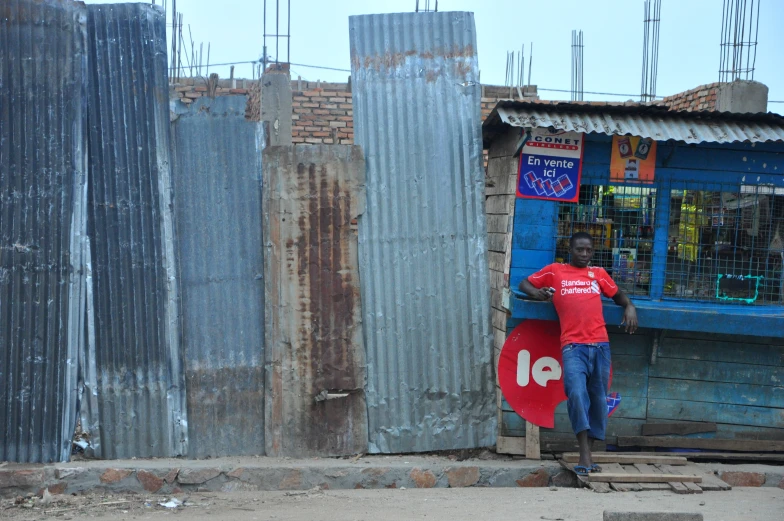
x,y
596,468
581,471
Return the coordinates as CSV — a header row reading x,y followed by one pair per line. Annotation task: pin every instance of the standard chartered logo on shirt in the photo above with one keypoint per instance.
x,y
579,287
594,287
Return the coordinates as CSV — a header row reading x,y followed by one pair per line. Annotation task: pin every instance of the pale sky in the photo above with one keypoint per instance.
x,y
690,34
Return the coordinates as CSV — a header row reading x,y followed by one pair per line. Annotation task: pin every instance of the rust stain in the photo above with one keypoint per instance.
x,y
391,60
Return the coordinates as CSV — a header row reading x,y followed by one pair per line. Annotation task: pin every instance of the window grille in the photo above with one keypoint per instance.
x,y
726,245
620,219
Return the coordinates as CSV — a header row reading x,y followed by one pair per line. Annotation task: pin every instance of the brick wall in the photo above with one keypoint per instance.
x,y
701,98
322,113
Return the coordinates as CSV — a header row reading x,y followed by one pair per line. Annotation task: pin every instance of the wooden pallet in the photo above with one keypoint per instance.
x,y
651,475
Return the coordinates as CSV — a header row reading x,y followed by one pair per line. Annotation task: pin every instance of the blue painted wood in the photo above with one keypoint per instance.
x,y
713,350
661,229
674,315
718,372
728,431
716,392
617,425
530,237
531,259
767,341
717,412
638,344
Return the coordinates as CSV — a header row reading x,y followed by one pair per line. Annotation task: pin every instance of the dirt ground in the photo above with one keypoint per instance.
x,y
497,504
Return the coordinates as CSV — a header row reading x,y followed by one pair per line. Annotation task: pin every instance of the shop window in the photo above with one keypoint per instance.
x,y
620,219
726,246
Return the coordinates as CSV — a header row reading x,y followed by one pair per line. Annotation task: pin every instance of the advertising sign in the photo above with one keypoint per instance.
x,y
551,165
633,159
530,372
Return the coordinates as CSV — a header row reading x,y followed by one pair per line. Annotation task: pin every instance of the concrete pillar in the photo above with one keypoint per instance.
x,y
742,96
276,107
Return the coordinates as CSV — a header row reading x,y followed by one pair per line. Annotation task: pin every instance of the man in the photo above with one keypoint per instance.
x,y
575,289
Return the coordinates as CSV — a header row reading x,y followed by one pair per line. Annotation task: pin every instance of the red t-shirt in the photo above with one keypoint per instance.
x,y
577,300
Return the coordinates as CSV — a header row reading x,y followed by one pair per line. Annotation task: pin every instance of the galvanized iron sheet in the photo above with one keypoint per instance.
x,y
315,401
134,400
217,182
43,172
646,122
423,253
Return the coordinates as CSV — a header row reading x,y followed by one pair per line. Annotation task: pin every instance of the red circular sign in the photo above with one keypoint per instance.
x,y
530,371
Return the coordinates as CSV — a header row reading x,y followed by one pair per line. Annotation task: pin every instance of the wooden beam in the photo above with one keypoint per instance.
x,y
532,450
627,458
701,443
727,456
514,445
657,429
623,477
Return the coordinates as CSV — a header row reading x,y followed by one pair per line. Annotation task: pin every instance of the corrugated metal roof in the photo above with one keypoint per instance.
x,y
637,120
314,346
43,190
423,255
134,404
217,182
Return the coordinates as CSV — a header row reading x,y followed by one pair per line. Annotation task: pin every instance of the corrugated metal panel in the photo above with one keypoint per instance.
x,y
134,385
647,122
43,171
315,356
423,254
217,182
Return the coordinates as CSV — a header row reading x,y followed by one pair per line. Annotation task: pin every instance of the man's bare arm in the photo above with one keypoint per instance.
x,y
629,313
538,294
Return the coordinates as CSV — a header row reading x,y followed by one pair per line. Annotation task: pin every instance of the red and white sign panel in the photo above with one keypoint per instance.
x,y
530,371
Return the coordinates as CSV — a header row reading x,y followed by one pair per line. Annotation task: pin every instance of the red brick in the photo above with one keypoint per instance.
x,y
743,479
320,111
300,98
338,100
346,118
310,105
115,475
321,134
337,124
200,89
462,476
328,141
540,478
319,99
423,478
192,95
312,140
238,91
298,140
330,106
346,141
346,106
311,93
149,481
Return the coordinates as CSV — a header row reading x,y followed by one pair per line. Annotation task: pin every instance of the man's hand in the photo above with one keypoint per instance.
x,y
630,318
544,294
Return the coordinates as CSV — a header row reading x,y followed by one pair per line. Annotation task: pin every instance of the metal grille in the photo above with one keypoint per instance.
x,y
726,245
620,219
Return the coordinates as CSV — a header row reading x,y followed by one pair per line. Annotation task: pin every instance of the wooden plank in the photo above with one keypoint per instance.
x,y
638,469
718,372
495,261
620,487
729,456
675,486
565,445
715,412
680,428
496,242
498,204
599,487
532,448
510,445
717,392
711,482
740,351
497,223
624,477
499,319
701,443
691,488
627,458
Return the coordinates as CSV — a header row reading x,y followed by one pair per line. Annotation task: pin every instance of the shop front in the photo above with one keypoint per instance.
x,y
687,214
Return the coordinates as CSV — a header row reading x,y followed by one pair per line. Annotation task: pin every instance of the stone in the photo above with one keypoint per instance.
x,y
149,481
58,488
651,516
171,475
61,473
565,479
540,478
781,484
462,476
423,478
292,481
115,475
375,471
743,479
21,478
197,476
236,473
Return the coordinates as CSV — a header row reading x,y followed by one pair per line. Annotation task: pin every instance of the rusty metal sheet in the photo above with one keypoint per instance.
x,y
423,239
217,182
43,188
134,399
315,360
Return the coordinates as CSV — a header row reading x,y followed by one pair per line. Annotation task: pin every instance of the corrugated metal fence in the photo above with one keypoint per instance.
x,y
134,400
425,282
217,181
42,196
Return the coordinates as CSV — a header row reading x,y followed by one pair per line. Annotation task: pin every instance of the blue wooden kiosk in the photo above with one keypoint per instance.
x,y
699,250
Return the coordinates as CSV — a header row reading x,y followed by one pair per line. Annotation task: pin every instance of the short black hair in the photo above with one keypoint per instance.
x,y
580,235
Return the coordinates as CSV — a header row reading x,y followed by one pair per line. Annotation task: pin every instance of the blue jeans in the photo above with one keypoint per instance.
x,y
586,379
